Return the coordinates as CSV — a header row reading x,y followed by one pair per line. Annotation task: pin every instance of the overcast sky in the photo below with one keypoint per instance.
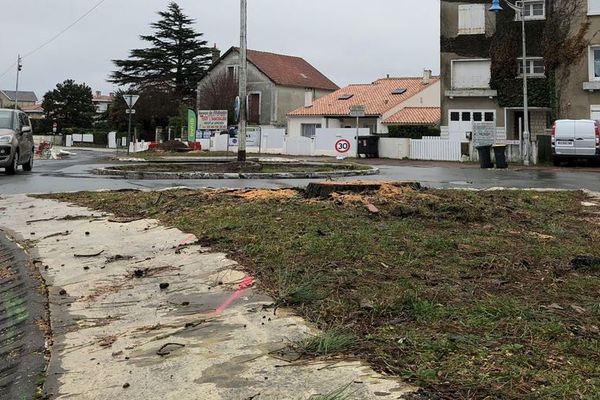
x,y
350,41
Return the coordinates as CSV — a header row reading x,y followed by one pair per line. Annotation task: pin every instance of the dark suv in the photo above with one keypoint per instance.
x,y
16,141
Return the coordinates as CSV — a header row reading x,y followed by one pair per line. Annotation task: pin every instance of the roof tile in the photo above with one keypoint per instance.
x,y
377,97
416,116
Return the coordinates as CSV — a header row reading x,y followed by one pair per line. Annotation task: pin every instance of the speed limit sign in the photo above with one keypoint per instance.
x,y
342,146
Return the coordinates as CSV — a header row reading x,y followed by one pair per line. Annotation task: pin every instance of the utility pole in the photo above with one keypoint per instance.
x,y
243,79
19,68
526,133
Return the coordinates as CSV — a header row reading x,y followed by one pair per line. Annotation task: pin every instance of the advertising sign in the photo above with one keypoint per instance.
x,y
212,120
252,138
192,123
484,133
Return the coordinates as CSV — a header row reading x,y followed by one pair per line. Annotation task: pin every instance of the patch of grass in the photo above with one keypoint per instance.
x,y
342,393
470,295
332,341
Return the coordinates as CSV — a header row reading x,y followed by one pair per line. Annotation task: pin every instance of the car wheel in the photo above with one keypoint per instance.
x,y
15,164
29,166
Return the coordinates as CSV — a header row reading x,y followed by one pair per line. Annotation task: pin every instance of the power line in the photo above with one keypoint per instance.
x,y
53,38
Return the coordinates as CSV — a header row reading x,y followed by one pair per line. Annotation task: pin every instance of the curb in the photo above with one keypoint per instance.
x,y
141,175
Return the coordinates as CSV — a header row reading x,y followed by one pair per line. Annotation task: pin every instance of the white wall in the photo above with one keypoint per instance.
x,y
397,148
294,128
326,139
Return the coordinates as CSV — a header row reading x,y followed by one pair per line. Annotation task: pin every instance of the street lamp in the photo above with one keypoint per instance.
x,y
497,7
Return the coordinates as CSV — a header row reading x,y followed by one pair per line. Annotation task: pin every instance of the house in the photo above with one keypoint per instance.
x,y
482,67
7,98
277,84
388,101
35,111
102,102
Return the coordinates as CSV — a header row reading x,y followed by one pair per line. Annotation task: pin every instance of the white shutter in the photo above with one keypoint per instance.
x,y
471,19
594,7
471,74
596,113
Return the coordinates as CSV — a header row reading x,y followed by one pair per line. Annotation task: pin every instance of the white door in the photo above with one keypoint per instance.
x,y
585,138
564,135
461,122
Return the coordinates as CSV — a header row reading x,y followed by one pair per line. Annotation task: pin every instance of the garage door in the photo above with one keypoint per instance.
x,y
461,122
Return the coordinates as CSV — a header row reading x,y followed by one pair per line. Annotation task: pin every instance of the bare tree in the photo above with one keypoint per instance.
x,y
565,41
218,92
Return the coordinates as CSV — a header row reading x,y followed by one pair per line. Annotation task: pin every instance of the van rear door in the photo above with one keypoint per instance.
x,y
564,144
585,138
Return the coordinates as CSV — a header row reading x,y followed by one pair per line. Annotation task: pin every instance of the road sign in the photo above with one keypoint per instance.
x,y
131,99
342,146
357,111
132,111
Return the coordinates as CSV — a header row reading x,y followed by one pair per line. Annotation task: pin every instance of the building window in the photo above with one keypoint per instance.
x,y
594,63
310,130
471,19
535,67
532,10
477,117
593,7
233,72
454,116
489,117
471,74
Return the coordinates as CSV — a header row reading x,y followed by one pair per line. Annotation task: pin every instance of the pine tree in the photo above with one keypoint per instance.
x,y
176,60
70,105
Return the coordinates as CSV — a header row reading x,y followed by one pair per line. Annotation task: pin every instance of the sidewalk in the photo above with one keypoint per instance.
x,y
140,311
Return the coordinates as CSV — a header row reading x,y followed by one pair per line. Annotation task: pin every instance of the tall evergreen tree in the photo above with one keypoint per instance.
x,y
176,60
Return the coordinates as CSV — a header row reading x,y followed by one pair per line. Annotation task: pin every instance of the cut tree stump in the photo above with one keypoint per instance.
x,y
325,189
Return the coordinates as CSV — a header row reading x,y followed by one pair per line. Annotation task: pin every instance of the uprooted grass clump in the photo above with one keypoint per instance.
x,y
471,295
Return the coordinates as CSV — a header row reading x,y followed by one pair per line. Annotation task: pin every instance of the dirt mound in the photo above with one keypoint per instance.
x,y
172,145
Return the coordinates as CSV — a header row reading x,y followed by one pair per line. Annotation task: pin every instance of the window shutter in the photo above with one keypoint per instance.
x,y
471,19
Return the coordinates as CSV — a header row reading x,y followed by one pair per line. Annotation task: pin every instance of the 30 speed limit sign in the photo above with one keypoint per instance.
x,y
342,146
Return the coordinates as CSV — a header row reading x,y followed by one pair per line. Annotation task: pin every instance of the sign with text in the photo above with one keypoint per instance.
x,y
484,133
212,120
192,124
358,111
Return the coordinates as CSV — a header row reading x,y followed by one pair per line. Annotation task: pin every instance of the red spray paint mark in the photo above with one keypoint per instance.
x,y
246,283
187,240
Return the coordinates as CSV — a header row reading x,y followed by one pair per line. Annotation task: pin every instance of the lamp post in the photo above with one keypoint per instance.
x,y
243,78
497,7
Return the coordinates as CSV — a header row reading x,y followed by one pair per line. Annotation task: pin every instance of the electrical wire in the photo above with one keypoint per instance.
x,y
53,38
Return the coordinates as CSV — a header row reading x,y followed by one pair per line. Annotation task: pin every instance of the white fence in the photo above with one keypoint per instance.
x,y
435,149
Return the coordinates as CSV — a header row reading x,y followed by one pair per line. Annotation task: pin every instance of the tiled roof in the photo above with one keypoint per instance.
x,y
28,97
416,116
288,70
377,97
35,108
103,98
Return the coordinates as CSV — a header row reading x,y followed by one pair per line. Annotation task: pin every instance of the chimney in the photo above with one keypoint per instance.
x,y
309,97
98,93
216,54
426,76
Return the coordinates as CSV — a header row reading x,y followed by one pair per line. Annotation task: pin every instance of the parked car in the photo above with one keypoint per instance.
x,y
575,139
16,141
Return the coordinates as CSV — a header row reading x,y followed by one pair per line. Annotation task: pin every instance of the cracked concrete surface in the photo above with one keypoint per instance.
x,y
110,316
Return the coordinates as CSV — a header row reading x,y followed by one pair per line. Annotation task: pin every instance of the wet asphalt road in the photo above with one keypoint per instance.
x,y
74,174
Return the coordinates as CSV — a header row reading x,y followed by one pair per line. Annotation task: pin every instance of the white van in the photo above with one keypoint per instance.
x,y
575,139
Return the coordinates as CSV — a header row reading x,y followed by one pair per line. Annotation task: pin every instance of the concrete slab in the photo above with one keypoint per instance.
x,y
208,334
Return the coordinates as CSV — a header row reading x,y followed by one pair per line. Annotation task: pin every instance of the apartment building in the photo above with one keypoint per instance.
x,y
478,87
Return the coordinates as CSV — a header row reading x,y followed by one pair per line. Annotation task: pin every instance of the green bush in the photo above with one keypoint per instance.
x,y
413,131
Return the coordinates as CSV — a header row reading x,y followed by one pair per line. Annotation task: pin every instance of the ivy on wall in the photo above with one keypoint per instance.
x,y
556,39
